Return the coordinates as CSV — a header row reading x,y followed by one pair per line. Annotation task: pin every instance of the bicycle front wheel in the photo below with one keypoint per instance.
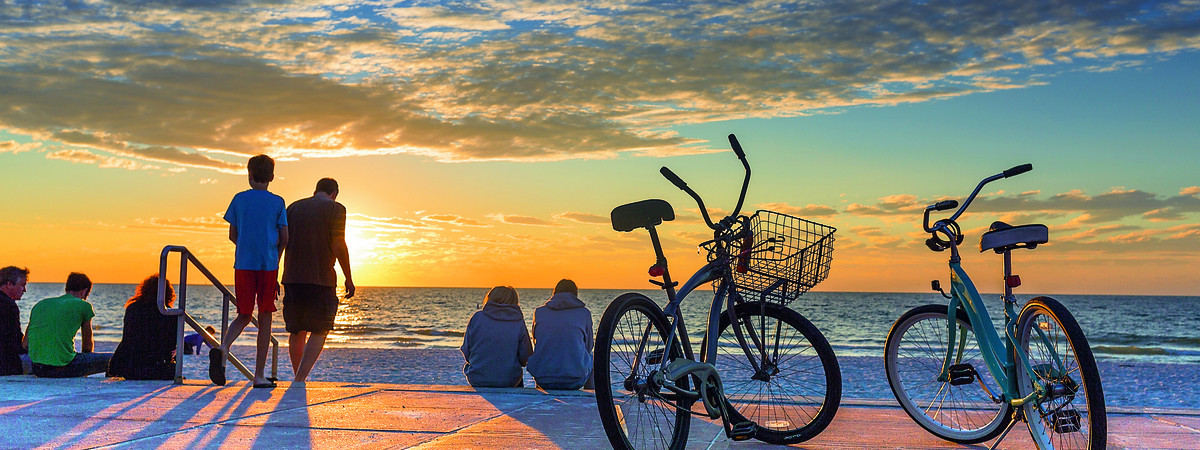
x,y
963,407
630,344
1071,413
797,386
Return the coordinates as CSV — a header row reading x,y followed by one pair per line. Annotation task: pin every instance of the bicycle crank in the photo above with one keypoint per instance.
x,y
708,390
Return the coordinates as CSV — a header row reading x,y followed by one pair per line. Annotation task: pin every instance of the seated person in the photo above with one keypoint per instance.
x,y
147,348
193,342
496,343
50,337
562,338
13,360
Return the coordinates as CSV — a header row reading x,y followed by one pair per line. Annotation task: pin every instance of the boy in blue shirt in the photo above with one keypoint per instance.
x,y
258,227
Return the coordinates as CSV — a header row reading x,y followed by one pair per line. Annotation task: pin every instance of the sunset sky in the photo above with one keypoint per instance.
x,y
484,143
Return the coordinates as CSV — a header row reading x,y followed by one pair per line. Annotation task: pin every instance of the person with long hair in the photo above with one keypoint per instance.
x,y
496,343
147,348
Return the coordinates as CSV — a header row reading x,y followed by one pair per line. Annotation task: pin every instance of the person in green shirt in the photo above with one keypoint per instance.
x,y
53,323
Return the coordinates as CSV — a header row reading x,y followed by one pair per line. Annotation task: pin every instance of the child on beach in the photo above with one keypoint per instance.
x,y
562,337
193,342
258,227
496,343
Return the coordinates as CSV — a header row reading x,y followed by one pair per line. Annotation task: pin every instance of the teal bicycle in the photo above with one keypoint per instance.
x,y
1042,371
764,370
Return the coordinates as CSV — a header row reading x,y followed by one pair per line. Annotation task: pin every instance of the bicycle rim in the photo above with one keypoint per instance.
x,y
795,394
631,330
960,412
1073,415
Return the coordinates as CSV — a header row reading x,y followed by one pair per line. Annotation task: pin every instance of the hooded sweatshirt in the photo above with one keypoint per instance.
x,y
562,330
496,346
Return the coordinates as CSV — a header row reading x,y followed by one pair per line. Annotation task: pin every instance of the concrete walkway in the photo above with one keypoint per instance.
x,y
95,412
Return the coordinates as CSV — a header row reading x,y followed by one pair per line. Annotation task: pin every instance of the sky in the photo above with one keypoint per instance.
x,y
485,143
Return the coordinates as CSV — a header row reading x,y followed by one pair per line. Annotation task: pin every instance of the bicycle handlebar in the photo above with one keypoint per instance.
x,y
727,221
949,204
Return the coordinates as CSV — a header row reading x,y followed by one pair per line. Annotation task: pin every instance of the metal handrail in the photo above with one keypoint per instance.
x,y
180,310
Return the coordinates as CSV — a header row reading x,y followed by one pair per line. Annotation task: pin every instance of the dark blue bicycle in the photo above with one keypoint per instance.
x,y
763,369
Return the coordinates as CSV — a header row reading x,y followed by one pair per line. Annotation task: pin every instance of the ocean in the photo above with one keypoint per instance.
x,y
1146,346
1159,329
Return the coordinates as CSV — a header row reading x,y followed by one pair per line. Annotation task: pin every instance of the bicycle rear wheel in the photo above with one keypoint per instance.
x,y
630,343
796,390
959,408
1072,414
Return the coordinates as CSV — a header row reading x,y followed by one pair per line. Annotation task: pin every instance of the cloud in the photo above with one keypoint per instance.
x,y
194,224
17,147
205,84
86,157
1107,207
522,220
582,217
809,210
454,220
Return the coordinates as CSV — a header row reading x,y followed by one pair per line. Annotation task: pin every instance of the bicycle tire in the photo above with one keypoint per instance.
x,y
799,399
1055,422
632,420
913,357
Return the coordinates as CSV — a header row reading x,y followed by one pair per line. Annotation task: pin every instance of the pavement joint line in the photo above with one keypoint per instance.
x,y
1180,425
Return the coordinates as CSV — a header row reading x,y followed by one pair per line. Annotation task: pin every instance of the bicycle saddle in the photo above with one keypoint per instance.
x,y
643,214
1003,237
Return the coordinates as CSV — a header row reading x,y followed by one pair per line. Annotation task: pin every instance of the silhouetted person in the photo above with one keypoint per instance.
x,y
562,338
147,348
496,343
53,323
317,229
12,287
258,227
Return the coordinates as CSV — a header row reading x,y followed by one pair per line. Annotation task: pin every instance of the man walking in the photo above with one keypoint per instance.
x,y
318,237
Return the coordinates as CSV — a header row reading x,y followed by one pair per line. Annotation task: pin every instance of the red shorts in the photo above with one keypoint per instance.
x,y
255,287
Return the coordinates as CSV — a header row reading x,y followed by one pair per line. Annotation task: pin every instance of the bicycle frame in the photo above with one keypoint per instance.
x,y
1000,354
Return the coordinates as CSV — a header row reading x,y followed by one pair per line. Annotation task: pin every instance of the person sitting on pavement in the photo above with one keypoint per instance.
x,y
13,358
496,343
53,324
562,338
147,348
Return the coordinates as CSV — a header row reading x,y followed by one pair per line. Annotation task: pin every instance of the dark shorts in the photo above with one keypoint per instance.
x,y
309,307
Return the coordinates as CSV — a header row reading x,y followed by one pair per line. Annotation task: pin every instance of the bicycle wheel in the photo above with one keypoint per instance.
x,y
1072,414
796,391
630,343
957,408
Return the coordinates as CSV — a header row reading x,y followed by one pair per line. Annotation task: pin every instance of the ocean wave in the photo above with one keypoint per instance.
x,y
438,333
1142,351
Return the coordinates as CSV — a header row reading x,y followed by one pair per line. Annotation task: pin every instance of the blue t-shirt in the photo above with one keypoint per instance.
x,y
257,215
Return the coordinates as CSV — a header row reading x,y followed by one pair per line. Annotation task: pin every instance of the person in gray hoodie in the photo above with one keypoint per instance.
x,y
496,343
562,334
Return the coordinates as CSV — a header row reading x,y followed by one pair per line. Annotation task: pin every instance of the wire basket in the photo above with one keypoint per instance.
x,y
780,271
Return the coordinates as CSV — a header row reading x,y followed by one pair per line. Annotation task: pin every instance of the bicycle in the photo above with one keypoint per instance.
x,y
1042,371
764,369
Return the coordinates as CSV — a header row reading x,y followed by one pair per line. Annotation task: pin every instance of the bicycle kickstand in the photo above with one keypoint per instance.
x,y
1018,416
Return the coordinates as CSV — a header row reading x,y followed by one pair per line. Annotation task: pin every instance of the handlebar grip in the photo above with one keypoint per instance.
x,y
737,148
674,179
1018,170
945,204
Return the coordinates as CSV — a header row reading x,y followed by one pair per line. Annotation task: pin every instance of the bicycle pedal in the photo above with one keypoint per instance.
x,y
962,374
1066,421
742,431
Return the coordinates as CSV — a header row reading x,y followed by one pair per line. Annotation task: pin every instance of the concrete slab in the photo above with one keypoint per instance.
x,y
91,412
